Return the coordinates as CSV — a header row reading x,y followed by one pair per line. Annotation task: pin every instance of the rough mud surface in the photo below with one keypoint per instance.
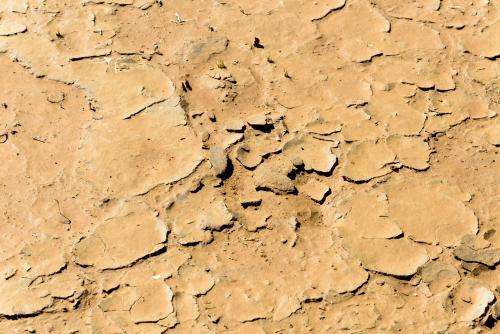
x,y
240,166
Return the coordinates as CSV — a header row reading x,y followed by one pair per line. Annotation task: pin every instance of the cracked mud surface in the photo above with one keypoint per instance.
x,y
236,166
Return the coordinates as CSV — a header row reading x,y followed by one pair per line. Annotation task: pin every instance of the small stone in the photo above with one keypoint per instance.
x,y
218,159
205,136
315,189
297,162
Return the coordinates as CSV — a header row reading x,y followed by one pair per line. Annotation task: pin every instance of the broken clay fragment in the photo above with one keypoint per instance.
x,y
315,189
247,158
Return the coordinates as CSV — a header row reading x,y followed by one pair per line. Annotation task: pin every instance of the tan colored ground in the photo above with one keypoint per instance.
x,y
243,166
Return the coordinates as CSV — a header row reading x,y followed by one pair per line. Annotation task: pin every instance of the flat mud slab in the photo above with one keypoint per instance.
x,y
238,166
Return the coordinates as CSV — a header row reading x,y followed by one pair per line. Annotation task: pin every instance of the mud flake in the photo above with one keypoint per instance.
x,y
44,257
120,300
359,51
18,299
133,89
411,152
254,220
258,120
406,35
186,307
323,127
198,51
469,251
431,212
396,114
120,241
248,328
285,307
315,189
154,303
471,300
349,26
194,226
333,271
153,150
439,276
366,215
398,257
273,175
411,10
10,27
244,307
315,154
362,130
493,134
191,233
197,281
286,230
235,125
354,316
247,157
367,160
14,6
315,11
480,43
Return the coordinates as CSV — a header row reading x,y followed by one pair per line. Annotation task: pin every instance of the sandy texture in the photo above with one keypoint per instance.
x,y
249,167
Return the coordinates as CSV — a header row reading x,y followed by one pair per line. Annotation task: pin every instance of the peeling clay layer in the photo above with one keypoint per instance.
x,y
238,166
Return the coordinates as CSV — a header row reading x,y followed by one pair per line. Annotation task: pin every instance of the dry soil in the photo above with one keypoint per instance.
x,y
242,166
